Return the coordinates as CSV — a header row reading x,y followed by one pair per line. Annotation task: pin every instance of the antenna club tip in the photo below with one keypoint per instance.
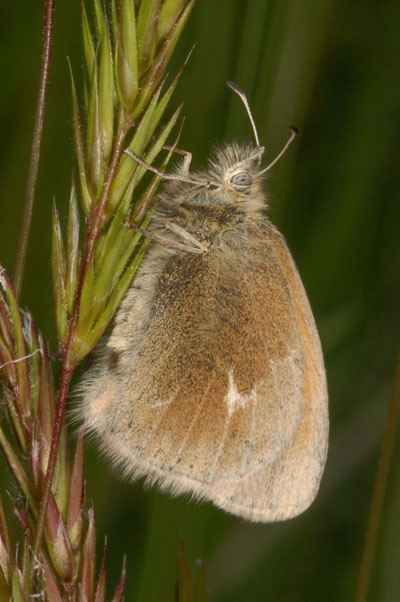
x,y
234,87
294,129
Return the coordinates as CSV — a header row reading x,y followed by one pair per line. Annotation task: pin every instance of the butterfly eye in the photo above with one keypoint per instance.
x,y
241,179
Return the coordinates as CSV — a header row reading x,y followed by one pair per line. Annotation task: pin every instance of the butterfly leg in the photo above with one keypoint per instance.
x,y
186,236
165,176
194,247
187,160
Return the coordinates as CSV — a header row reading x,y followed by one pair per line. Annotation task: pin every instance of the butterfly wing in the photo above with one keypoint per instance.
x,y
233,408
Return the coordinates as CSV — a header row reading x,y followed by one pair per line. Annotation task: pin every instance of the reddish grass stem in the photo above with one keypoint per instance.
x,y
375,511
69,363
35,146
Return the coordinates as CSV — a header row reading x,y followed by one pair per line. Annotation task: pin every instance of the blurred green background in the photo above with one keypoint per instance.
x,y
331,68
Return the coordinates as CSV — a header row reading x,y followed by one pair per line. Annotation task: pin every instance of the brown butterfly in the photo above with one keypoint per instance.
x,y
212,380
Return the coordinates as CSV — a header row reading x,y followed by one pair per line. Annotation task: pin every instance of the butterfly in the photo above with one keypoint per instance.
x,y
211,381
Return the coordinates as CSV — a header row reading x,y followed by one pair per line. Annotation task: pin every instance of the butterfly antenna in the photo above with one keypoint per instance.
x,y
293,133
244,100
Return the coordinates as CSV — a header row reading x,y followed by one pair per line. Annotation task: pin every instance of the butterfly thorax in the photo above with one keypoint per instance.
x,y
227,195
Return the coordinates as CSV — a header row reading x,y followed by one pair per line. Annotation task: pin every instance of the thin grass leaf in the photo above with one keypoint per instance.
x,y
116,257
145,128
147,33
158,144
169,13
103,285
22,516
14,372
85,195
130,243
86,306
119,273
185,584
18,471
58,543
38,444
18,347
49,583
106,95
100,19
142,204
125,168
114,301
35,346
72,274
7,361
75,513
112,246
126,59
379,491
94,156
15,418
17,594
164,101
119,592
88,560
61,480
8,372
5,593
85,313
5,550
157,70
152,123
6,334
108,241
58,270
26,562
46,412
152,118
88,45
100,593
114,20
99,246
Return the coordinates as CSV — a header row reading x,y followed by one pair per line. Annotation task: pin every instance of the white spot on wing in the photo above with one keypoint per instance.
x,y
234,398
